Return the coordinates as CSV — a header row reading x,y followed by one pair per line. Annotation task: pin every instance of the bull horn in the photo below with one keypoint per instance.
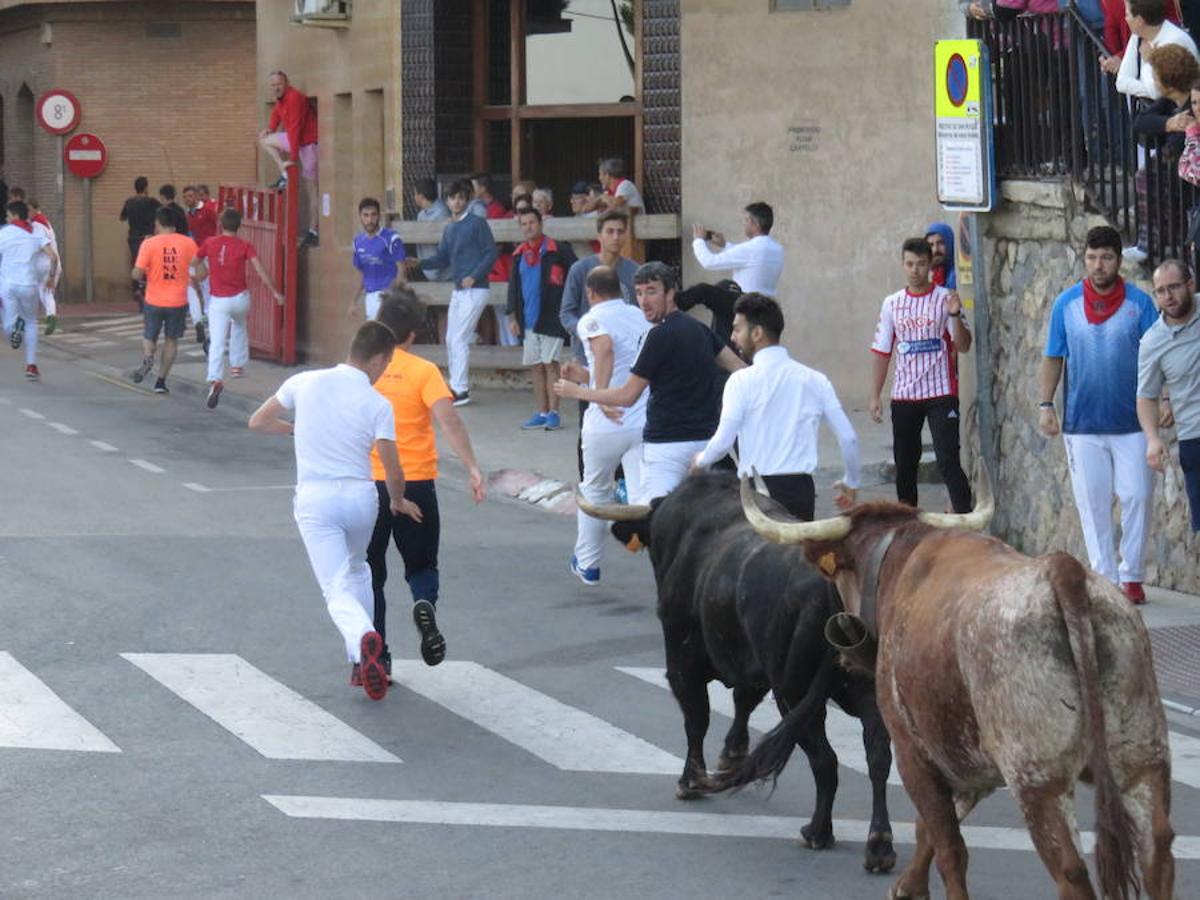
x,y
978,518
612,512
783,532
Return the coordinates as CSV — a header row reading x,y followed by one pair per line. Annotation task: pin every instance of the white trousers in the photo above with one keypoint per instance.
x,y
195,307
372,300
665,465
227,321
602,453
336,519
466,306
22,300
1100,465
506,337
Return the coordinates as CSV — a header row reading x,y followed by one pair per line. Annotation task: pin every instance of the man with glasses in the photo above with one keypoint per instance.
x,y
1169,358
1094,326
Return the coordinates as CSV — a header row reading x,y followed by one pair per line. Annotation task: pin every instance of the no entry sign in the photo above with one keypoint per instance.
x,y
58,111
85,155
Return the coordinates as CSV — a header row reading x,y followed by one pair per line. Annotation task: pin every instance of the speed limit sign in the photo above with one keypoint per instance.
x,y
58,111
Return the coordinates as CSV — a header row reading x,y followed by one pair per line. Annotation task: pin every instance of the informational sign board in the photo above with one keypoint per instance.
x,y
58,111
966,172
86,155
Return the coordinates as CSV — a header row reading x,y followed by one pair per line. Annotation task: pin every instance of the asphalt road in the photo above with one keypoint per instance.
x,y
160,620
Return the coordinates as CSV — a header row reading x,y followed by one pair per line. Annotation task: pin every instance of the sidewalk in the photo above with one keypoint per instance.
x,y
540,468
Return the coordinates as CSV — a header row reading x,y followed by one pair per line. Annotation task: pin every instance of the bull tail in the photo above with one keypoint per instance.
x,y
1115,857
771,754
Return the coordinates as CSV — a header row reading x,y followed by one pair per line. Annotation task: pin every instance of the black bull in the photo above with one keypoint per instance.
x,y
752,614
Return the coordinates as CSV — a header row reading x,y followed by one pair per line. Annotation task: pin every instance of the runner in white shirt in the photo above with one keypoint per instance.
x,y
41,225
774,410
21,249
612,333
756,262
340,417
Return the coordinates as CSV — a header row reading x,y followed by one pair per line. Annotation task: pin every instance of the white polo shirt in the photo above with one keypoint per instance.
x,y
339,417
756,264
19,252
774,410
626,327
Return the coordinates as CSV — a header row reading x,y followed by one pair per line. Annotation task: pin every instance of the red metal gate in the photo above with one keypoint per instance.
x,y
269,222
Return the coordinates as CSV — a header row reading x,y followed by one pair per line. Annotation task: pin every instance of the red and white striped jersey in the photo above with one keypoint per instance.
x,y
916,328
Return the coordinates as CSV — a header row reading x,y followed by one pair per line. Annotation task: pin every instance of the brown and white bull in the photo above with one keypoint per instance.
x,y
994,668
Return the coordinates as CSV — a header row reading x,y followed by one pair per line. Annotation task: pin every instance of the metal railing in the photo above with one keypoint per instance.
x,y
1058,115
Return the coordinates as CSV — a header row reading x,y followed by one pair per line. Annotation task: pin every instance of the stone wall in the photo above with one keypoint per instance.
x,y
1032,251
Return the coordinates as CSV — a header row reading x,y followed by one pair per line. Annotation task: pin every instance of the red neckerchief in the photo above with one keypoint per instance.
x,y
938,274
533,255
40,219
611,190
1099,307
21,223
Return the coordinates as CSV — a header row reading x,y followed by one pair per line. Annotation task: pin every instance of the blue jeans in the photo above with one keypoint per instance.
x,y
1189,461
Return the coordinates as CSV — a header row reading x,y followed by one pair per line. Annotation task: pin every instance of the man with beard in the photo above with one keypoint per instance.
x,y
940,238
774,410
1093,327
1169,357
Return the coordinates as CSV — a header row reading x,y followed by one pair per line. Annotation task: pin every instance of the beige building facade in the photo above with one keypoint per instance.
x,y
168,86
823,113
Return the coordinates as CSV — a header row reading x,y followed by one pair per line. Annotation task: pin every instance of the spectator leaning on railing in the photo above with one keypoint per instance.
x,y
1175,71
1150,29
1189,159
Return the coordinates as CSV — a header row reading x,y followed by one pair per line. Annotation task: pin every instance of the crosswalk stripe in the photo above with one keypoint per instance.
x,y
562,735
844,731
644,821
267,715
1185,759
33,717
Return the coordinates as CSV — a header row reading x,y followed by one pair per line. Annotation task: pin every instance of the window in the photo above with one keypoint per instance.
x,y
327,13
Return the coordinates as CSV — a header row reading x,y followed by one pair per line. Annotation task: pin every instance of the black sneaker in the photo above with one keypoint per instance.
x,y
201,334
18,334
278,185
433,645
160,386
214,394
386,659
310,239
140,373
51,324
461,399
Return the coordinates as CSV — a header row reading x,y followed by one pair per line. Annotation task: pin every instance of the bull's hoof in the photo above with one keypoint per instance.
x,y
815,839
693,787
899,892
730,759
880,856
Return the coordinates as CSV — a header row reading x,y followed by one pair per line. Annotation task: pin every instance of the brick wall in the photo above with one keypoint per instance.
x,y
176,108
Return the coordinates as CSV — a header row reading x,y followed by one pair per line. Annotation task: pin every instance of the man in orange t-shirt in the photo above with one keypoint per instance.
x,y
419,395
164,264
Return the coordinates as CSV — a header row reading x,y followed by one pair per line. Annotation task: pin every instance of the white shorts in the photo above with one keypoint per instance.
x,y
540,349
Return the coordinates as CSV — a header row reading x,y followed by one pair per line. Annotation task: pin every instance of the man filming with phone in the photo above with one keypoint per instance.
x,y
756,262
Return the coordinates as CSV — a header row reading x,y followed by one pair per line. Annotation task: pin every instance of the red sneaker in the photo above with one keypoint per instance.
x,y
356,675
32,373
1133,590
374,675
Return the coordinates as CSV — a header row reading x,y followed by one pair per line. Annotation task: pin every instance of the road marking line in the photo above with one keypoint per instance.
x,y
643,821
194,354
844,731
198,488
101,445
148,466
34,717
120,383
31,413
60,427
1185,759
253,487
267,715
562,735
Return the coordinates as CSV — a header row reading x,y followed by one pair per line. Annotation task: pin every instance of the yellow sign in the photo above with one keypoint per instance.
x,y
962,114
956,69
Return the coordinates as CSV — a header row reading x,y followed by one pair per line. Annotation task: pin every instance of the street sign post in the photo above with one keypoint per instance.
x,y
966,172
86,156
58,112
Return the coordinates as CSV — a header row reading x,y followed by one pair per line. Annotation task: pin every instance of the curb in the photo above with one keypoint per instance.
x,y
1181,708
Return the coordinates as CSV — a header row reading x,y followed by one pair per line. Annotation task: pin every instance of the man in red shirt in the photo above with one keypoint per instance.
x,y
223,260
202,224
297,139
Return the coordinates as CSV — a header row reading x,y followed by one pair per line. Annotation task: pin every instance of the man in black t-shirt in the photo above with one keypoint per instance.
x,y
678,362
138,212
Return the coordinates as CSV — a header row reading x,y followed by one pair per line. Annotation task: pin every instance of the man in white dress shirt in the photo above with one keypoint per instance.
x,y
1150,29
340,417
756,262
774,410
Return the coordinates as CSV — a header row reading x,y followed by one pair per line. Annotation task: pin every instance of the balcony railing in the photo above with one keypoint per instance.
x,y
1058,115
